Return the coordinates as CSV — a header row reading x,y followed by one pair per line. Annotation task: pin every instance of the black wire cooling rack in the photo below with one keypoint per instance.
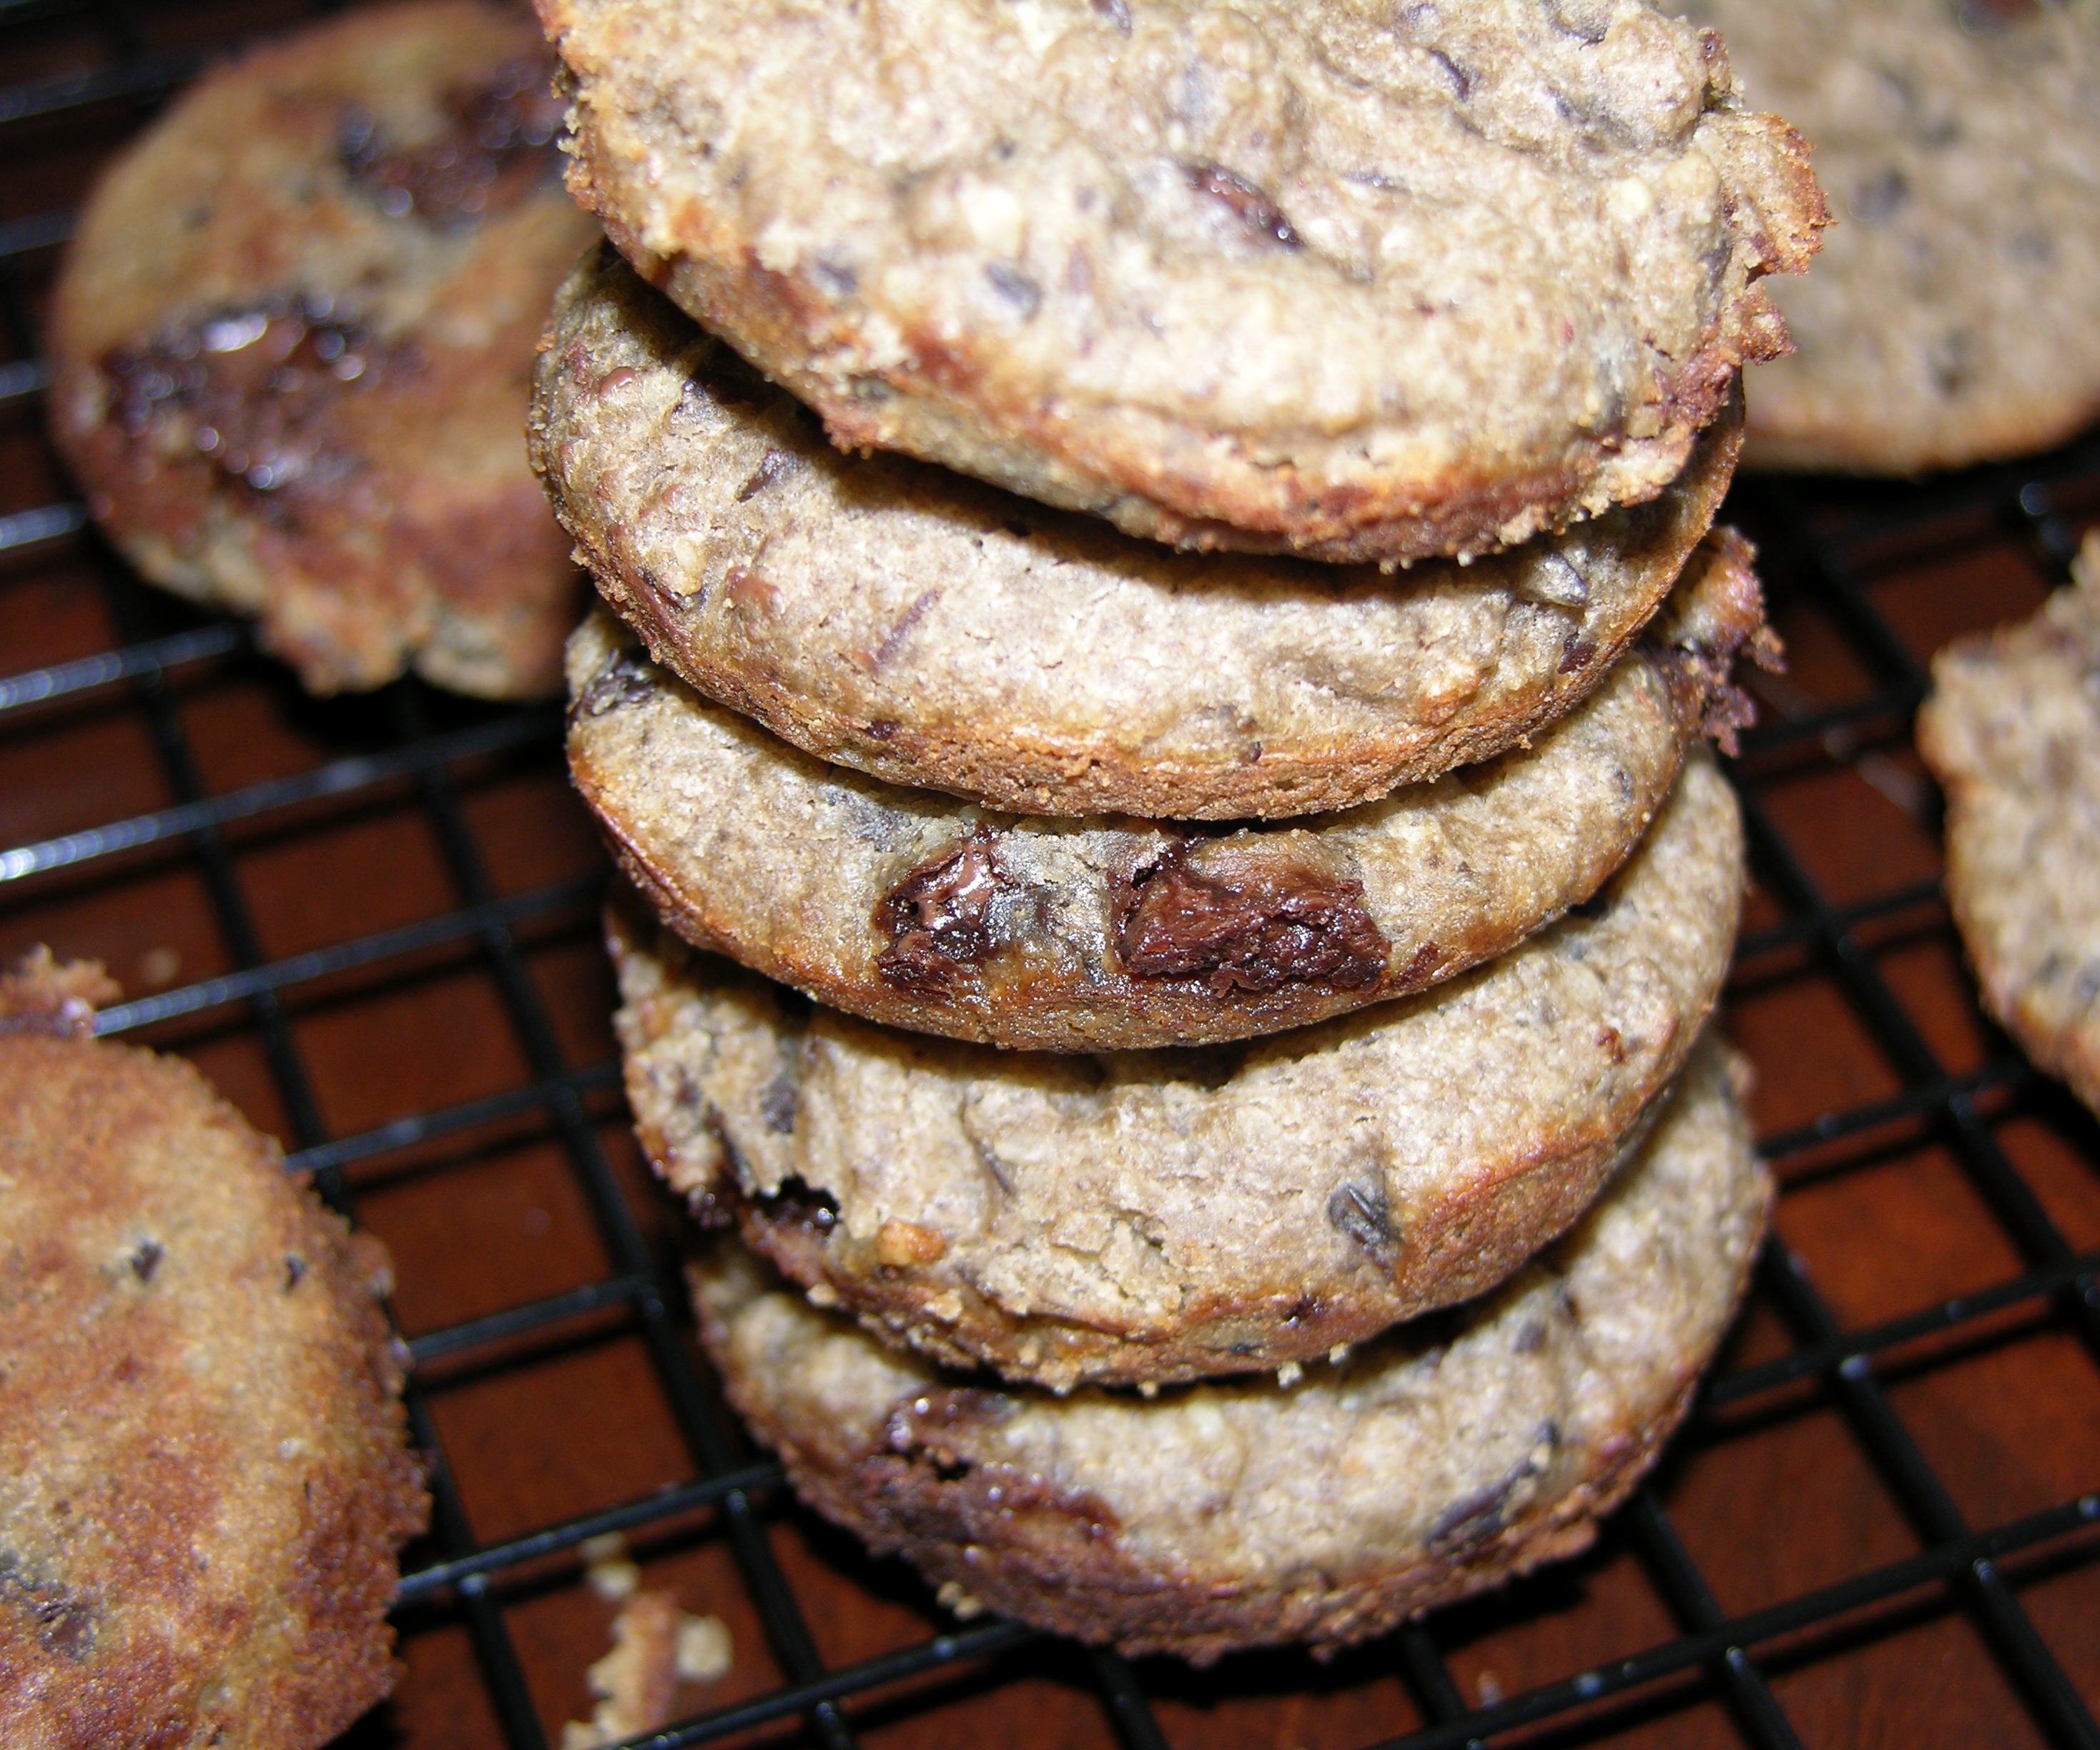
x,y
160,773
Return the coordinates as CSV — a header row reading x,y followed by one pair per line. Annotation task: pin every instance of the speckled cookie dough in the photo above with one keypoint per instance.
x,y
912,909
891,616
1160,1215
1443,1458
2012,731
291,345
205,1479
1360,280
1951,316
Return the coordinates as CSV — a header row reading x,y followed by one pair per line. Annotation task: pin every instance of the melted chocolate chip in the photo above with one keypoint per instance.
x,y
1016,287
778,1101
1117,12
1248,914
147,1260
1258,216
252,391
497,145
938,918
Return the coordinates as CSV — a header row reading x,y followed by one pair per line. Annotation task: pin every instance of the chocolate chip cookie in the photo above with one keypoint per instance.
x,y
291,344
1951,317
206,1480
2012,731
1355,281
1439,1460
910,908
891,616
1164,1215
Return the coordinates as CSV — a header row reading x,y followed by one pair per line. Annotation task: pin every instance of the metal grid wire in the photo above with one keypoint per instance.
x,y
411,750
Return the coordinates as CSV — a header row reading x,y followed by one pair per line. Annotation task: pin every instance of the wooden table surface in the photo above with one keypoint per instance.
x,y
446,882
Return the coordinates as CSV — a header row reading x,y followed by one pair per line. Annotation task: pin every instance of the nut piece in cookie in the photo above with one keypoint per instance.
x,y
292,341
1950,317
1143,1217
2012,731
206,1478
1431,1463
1358,282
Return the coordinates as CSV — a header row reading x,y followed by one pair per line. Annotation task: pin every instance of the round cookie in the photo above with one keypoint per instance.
x,y
1950,318
1359,282
206,1480
1443,1458
1161,1216
931,632
2012,732
912,909
291,343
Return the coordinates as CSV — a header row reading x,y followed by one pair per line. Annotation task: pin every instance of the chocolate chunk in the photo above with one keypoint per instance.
x,y
497,145
1248,913
63,1622
938,918
1358,1209
147,1260
1258,216
1478,1517
254,390
627,680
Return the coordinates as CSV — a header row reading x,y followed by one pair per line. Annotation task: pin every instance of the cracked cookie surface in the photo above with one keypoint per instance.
x,y
916,910
2012,732
1159,1215
292,341
1949,318
1436,1460
929,631
1358,281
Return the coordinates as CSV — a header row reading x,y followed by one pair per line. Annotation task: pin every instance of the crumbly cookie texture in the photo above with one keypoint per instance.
x,y
1356,280
1442,1459
1164,1215
912,909
2012,731
931,632
1950,317
206,1478
292,341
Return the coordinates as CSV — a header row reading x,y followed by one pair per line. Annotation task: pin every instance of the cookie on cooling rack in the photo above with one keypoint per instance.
x,y
930,631
1443,1458
1164,1215
1360,283
206,1478
1950,317
2012,732
918,910
292,339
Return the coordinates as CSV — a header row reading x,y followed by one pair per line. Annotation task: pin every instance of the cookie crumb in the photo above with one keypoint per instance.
x,y
656,1647
612,1575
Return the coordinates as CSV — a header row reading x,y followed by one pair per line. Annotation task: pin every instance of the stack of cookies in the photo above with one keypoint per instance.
x,y
1187,885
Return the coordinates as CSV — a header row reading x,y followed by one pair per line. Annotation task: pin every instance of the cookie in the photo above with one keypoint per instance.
x,y
1160,1215
1441,1459
1950,317
292,339
206,1481
1359,283
912,909
2012,732
890,616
